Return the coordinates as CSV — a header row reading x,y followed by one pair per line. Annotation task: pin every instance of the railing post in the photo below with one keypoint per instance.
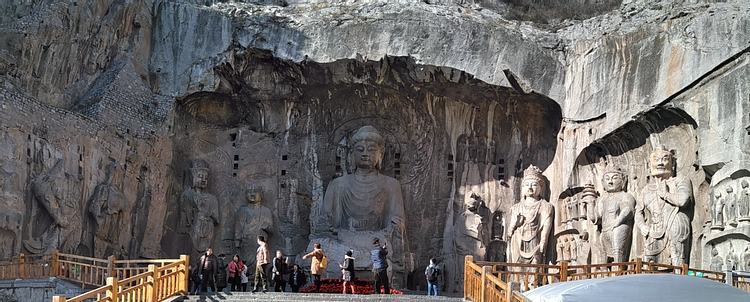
x,y
729,275
58,299
638,266
485,271
21,268
112,290
563,271
468,259
184,274
512,287
55,264
151,282
111,266
684,269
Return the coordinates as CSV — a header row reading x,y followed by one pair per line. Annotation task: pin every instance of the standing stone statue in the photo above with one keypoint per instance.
x,y
106,206
251,221
716,261
65,231
362,205
731,207
530,220
717,211
472,230
743,203
199,209
660,214
614,212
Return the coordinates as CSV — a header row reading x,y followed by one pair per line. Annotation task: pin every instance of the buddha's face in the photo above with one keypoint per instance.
x,y
531,188
200,178
613,182
661,164
253,195
367,154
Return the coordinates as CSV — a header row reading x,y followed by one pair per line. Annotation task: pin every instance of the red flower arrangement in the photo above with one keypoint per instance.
x,y
336,286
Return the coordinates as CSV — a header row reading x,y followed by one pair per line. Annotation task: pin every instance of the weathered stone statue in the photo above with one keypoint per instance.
x,y
746,259
11,218
614,212
660,215
199,209
362,205
107,205
743,203
251,221
530,220
717,211
472,229
716,261
731,206
66,227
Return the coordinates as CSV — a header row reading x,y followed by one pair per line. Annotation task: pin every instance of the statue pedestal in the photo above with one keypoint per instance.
x,y
360,242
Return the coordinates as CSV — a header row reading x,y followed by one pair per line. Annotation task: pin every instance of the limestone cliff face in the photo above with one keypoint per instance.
x,y
467,94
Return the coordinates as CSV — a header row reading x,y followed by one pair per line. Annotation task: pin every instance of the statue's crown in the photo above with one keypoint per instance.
x,y
533,172
612,168
199,164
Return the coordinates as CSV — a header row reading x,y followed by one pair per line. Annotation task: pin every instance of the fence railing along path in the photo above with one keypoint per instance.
x,y
505,282
116,280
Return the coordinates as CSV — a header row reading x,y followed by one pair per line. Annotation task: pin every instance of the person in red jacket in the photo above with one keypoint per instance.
x,y
235,273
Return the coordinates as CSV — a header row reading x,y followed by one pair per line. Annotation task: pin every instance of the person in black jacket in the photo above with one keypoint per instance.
x,y
207,267
347,270
279,271
297,278
221,275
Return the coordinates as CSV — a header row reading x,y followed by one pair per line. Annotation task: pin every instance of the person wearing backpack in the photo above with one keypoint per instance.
x,y
318,265
431,273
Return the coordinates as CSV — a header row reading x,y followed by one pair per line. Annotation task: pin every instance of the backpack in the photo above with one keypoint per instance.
x,y
432,273
323,262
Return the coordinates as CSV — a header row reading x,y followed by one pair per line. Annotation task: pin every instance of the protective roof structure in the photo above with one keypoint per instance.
x,y
641,287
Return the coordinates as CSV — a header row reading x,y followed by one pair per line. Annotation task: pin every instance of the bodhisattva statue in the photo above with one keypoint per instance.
x,y
199,209
717,211
362,205
106,206
65,231
251,221
743,202
472,229
614,212
731,208
530,220
660,215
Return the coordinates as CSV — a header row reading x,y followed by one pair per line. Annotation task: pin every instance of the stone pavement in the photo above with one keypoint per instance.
x,y
301,297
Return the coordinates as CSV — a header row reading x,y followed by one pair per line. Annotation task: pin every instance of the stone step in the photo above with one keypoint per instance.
x,y
300,297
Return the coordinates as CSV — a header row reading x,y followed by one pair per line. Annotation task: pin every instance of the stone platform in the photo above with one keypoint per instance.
x,y
301,297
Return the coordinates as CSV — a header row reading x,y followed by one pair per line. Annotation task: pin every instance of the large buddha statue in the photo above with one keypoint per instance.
x,y
530,220
660,213
362,205
251,221
199,208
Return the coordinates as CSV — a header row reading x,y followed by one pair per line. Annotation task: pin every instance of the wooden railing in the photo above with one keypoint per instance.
x,y
499,281
117,280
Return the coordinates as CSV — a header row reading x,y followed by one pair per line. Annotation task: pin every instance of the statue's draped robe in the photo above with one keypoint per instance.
x,y
205,208
667,225
526,238
363,203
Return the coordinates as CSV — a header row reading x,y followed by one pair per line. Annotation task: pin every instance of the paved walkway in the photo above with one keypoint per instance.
x,y
300,297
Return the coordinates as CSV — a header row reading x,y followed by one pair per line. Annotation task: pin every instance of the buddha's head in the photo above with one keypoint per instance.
x,y
614,179
254,193
662,163
533,182
199,172
368,147
473,202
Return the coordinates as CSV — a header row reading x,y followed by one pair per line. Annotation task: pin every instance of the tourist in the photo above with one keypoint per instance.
x,y
297,278
279,271
347,270
261,265
431,273
243,276
318,264
380,266
236,268
221,276
207,267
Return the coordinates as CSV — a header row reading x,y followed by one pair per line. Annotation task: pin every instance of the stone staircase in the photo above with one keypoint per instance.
x,y
301,297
